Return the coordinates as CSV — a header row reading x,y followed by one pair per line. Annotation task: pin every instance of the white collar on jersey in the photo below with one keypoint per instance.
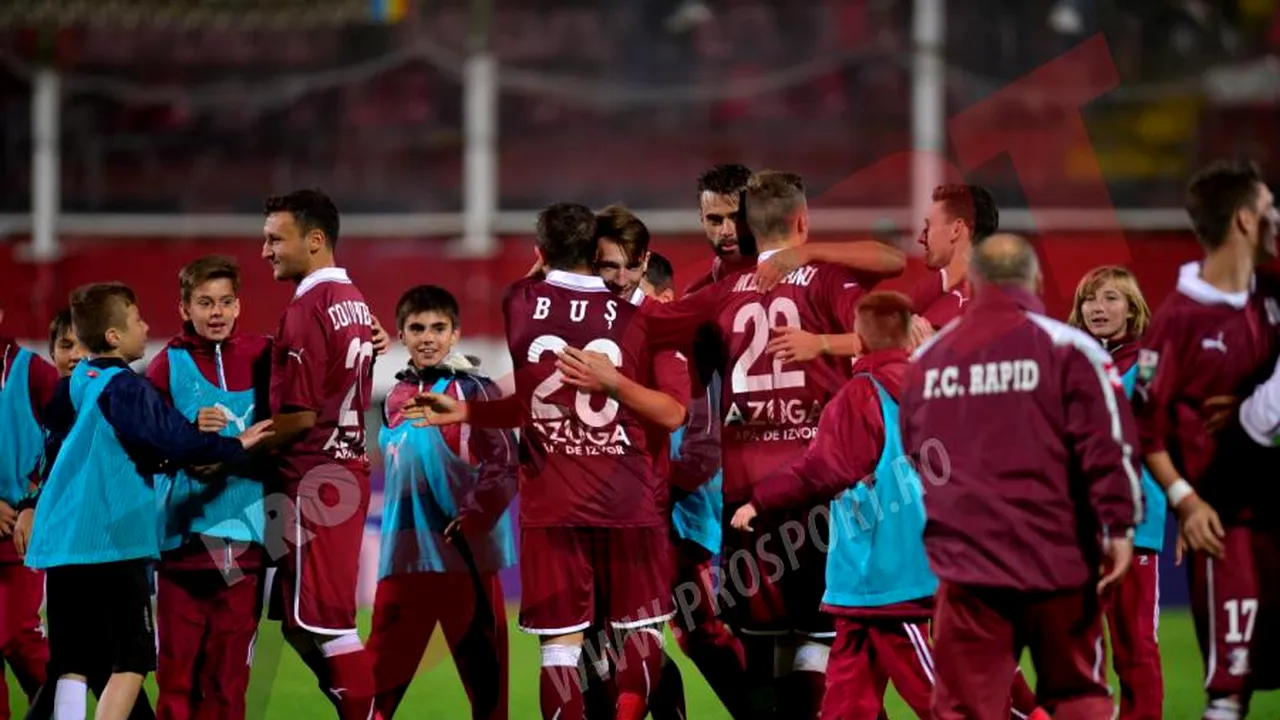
x,y
765,255
1193,286
323,275
574,281
637,297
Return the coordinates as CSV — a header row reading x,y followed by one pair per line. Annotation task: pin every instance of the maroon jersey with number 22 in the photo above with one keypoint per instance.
x,y
323,362
584,455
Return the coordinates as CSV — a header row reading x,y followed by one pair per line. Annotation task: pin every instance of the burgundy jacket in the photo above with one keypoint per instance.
x,y
849,443
1027,451
244,362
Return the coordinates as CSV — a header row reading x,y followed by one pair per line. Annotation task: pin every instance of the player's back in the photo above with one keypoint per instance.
x,y
770,409
323,362
1203,344
584,455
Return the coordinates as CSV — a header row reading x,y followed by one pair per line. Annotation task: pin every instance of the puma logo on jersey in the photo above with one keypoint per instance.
x,y
296,354
960,298
1214,344
240,421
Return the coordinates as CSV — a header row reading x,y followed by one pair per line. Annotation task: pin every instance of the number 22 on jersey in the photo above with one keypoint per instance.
x,y
543,409
758,319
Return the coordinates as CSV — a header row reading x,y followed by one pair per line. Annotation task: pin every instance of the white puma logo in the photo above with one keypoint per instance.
x,y
1214,343
296,354
240,421
337,692
960,298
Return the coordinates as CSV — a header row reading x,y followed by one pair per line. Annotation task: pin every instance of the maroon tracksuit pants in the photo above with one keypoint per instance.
x,y
870,652
205,630
22,642
979,634
1133,618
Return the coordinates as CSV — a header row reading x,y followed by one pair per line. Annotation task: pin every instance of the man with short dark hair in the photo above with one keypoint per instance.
x,y
1209,342
1018,424
321,387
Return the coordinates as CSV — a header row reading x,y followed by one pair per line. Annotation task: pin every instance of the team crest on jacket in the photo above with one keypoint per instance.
x,y
1147,360
1273,310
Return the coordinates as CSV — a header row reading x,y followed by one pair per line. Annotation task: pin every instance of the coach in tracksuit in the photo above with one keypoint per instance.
x,y
879,585
1028,455
27,385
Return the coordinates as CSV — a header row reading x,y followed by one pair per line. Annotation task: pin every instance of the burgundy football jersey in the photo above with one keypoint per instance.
x,y
1204,343
584,455
769,409
931,300
323,362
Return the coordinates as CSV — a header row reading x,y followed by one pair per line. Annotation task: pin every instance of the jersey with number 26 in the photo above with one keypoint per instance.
x,y
584,456
323,362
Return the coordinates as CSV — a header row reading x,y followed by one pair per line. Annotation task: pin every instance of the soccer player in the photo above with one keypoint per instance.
x,y
208,581
446,530
659,279
1215,336
1109,306
622,259
879,585
27,385
769,412
593,543
321,383
1015,421
64,349
95,529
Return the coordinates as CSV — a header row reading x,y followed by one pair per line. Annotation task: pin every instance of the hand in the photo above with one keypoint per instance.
x,y
1201,526
743,518
8,517
590,371
1219,411
256,433
1179,550
460,528
381,340
780,264
1119,555
921,330
795,345
211,419
428,409
22,531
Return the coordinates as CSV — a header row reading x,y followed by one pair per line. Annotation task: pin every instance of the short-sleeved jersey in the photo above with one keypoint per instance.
x,y
585,457
1204,343
931,300
323,362
769,410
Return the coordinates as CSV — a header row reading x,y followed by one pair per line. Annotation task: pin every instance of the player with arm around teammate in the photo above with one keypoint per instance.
x,y
1109,306
1016,426
446,528
879,585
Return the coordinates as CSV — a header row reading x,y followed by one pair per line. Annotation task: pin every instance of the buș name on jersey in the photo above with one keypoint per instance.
x,y
801,276
350,312
577,310
992,378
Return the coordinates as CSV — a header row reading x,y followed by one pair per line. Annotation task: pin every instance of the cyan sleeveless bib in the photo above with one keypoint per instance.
x,y
1150,534
22,441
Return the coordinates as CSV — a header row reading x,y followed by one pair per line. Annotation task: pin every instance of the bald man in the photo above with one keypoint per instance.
x,y
1027,452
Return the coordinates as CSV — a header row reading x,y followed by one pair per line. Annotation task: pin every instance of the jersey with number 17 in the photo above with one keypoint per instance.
x,y
584,456
322,362
769,410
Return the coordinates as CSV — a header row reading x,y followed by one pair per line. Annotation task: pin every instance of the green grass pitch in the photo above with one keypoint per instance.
x,y
285,690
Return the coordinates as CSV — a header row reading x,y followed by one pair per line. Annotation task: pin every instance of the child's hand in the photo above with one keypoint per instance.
x,y
429,409
22,531
211,419
381,340
8,516
256,433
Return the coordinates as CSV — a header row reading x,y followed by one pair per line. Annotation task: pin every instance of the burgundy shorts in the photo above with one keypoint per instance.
x,y
314,586
573,578
1234,604
773,578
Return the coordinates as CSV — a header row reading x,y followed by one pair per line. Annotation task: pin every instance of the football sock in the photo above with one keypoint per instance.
x,y
352,677
1024,698
1224,708
600,696
638,672
762,699
806,684
666,702
71,701
719,657
559,691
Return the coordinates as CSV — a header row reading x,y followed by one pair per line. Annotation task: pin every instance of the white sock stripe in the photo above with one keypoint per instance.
x,y
341,645
1211,667
561,655
811,657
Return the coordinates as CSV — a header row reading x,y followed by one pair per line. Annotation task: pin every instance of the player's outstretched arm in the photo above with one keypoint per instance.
x,y
155,434
791,344
864,256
